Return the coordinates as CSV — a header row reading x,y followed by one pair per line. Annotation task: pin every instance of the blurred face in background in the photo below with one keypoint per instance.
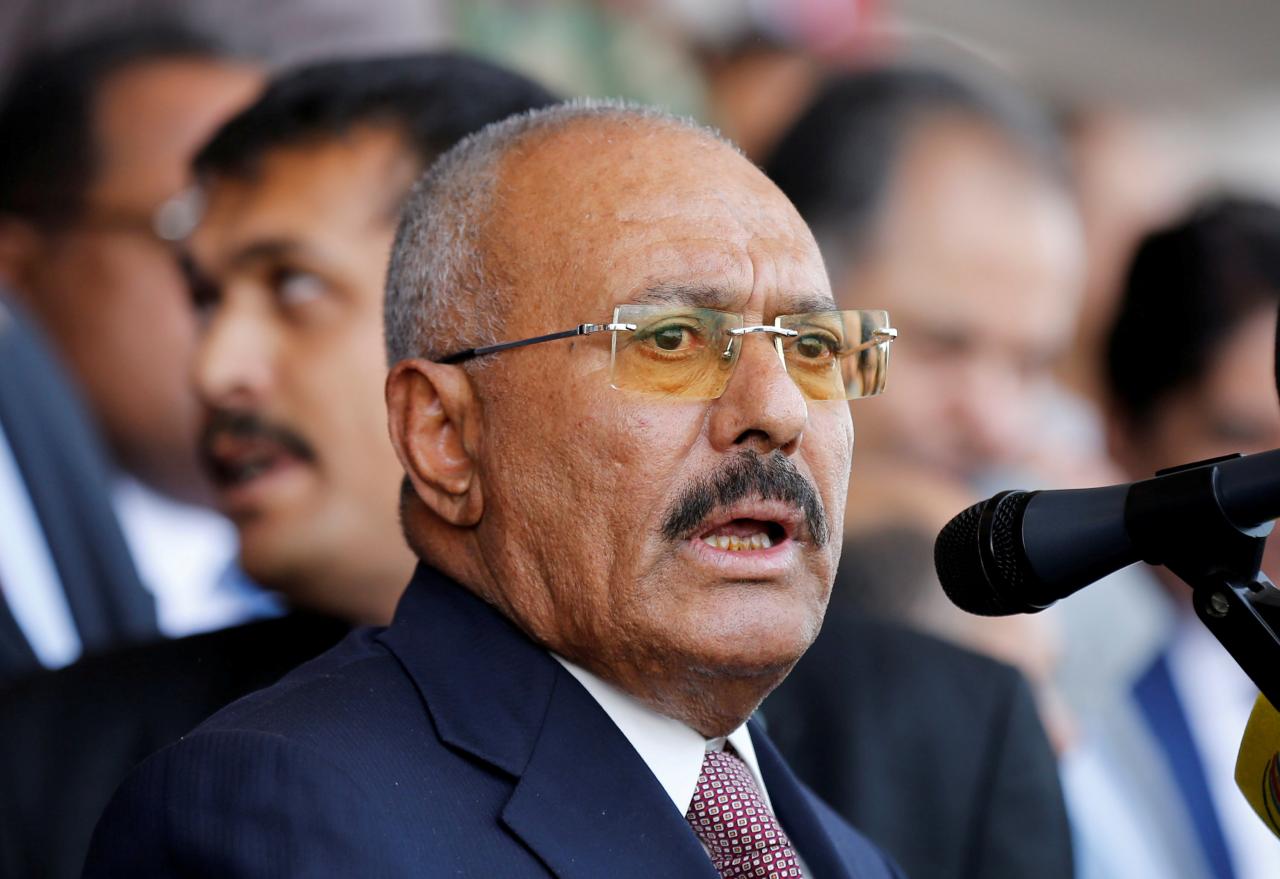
x,y
289,265
1232,408
978,259
109,290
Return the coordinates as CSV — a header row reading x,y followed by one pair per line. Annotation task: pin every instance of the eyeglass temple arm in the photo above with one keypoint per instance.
x,y
579,330
878,337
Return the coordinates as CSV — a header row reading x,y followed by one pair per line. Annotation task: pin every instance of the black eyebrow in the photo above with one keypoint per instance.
x,y
267,250
709,296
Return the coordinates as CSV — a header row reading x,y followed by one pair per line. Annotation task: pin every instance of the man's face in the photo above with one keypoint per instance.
x,y
289,265
978,260
593,521
110,291
1232,408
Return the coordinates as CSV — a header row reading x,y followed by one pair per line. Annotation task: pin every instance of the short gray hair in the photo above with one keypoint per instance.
x,y
443,295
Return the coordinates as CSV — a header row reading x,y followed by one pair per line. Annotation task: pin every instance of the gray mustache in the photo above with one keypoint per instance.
x,y
748,475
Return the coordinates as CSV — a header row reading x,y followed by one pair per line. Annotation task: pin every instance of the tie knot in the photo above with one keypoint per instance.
x,y
730,816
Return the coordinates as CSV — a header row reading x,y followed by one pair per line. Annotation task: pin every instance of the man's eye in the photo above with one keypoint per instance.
x,y
815,347
673,337
297,288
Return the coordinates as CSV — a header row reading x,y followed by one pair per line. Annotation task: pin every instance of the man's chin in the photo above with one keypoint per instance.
x,y
719,689
280,556
751,649
751,624
762,660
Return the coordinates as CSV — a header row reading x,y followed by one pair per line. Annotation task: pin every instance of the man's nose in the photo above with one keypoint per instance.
x,y
761,406
233,363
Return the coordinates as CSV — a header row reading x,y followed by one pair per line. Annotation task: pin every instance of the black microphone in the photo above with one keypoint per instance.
x,y
1020,551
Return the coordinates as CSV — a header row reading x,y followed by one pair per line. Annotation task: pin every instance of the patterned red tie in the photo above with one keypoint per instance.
x,y
734,823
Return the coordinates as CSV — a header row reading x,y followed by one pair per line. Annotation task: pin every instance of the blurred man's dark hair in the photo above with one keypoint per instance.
x,y
837,162
48,152
432,100
1188,287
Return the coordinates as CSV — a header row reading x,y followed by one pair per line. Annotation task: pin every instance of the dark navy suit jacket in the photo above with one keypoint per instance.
x,y
447,744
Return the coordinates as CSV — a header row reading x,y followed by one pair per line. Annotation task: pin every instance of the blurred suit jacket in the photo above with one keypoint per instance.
x,y
446,744
71,736
66,476
935,753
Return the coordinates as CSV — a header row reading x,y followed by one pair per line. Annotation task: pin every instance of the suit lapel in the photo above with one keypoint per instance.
x,y
485,684
584,801
795,812
589,806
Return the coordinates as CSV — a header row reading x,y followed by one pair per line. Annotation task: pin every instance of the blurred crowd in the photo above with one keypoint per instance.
x,y
197,491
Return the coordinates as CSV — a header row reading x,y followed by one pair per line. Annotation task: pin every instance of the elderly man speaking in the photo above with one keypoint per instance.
x,y
618,393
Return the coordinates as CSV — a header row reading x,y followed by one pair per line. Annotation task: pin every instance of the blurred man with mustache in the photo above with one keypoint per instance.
x,y
618,397
302,189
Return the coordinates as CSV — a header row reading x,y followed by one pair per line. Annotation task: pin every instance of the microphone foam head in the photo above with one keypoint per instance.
x,y
978,556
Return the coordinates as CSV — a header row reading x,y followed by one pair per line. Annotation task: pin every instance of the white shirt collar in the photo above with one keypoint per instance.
x,y
672,751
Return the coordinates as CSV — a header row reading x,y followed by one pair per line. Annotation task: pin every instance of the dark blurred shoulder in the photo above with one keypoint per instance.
x,y
72,735
855,652
899,730
203,671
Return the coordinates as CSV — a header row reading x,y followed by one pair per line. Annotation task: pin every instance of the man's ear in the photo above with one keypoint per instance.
x,y
20,250
433,417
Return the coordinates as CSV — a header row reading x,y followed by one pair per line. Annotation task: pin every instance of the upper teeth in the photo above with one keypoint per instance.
x,y
737,544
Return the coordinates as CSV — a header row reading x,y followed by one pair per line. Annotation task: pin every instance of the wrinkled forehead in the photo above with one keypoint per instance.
x,y
602,215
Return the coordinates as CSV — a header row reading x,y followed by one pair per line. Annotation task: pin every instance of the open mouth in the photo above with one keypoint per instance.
x,y
745,535
233,461
749,527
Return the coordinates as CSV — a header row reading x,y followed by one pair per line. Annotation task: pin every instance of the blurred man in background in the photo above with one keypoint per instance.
x,y
95,141
303,193
1190,365
303,190
942,197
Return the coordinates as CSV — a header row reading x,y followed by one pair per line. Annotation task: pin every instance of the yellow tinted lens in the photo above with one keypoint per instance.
x,y
673,352
836,355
